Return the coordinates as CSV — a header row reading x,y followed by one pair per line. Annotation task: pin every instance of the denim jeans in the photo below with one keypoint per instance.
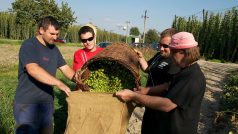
x,y
33,118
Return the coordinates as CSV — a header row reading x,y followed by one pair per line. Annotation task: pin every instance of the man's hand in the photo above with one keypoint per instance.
x,y
142,90
63,87
125,95
79,77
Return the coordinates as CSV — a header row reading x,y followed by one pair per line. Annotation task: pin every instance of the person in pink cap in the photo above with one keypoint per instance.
x,y
179,109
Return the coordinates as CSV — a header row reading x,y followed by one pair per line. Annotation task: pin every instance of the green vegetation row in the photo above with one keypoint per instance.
x,y
11,29
216,33
228,113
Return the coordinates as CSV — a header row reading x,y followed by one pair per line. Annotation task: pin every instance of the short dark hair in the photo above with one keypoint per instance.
x,y
47,21
86,29
167,32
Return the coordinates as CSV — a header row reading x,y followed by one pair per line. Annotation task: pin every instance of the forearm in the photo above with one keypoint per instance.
x,y
155,102
143,64
41,75
68,72
156,90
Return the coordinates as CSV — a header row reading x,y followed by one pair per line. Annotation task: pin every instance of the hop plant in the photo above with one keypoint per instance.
x,y
109,76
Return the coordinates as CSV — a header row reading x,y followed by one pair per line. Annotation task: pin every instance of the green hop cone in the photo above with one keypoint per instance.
x,y
109,77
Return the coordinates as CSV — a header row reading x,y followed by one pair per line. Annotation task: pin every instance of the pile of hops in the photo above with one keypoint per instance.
x,y
109,77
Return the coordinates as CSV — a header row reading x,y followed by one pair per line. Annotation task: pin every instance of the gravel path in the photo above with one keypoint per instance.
x,y
215,73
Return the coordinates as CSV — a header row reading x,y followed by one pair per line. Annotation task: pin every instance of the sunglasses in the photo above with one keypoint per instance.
x,y
163,45
88,39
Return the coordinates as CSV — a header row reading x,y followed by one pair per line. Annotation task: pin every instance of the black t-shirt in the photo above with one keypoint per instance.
x,y
161,70
49,58
186,90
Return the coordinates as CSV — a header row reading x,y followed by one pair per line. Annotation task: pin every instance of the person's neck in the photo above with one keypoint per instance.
x,y
40,39
185,66
91,50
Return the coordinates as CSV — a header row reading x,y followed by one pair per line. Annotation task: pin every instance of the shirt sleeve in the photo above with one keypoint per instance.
x,y
185,92
28,53
61,62
77,62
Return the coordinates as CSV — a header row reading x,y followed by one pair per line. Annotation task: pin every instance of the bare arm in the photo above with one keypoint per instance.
x,y
155,102
67,71
43,76
156,90
142,61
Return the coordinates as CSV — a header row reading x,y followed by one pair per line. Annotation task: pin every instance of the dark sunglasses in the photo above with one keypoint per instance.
x,y
88,39
163,45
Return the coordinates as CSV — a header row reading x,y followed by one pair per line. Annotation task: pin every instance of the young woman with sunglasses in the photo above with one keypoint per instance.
x,y
87,35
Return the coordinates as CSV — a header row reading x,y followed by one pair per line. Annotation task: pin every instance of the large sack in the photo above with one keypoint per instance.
x,y
97,113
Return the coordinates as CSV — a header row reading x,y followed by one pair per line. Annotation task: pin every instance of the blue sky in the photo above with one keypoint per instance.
x,y
112,15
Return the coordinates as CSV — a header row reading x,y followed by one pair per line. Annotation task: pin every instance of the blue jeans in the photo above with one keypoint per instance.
x,y
34,118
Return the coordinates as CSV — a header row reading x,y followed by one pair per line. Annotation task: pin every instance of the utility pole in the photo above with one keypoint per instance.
x,y
127,27
145,17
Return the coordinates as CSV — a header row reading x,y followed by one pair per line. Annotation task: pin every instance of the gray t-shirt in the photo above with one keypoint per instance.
x,y
49,58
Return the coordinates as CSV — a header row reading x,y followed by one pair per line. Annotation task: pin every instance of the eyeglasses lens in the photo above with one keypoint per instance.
x,y
164,45
85,40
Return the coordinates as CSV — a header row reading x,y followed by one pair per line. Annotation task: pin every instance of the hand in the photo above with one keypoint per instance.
x,y
142,90
77,78
80,76
140,55
125,95
63,87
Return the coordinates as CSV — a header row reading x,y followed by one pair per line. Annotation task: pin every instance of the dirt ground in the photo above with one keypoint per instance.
x,y
215,73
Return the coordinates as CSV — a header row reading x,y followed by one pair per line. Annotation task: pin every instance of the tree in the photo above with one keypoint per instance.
x,y
152,36
134,31
30,11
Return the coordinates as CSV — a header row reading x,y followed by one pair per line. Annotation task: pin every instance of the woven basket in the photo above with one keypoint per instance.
x,y
122,53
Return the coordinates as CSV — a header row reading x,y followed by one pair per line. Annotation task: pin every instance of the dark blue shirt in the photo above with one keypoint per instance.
x,y
49,58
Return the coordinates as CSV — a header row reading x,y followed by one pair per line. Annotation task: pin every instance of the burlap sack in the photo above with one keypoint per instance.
x,y
97,113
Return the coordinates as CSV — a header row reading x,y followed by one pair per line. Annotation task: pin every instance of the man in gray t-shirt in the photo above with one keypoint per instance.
x,y
39,59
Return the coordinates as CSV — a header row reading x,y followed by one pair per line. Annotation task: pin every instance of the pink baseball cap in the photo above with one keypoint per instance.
x,y
182,40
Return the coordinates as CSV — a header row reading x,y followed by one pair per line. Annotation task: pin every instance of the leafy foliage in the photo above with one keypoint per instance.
x,y
230,97
109,76
152,36
30,11
134,31
216,33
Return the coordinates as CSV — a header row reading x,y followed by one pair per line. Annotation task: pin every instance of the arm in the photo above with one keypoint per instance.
x,y
142,61
68,72
156,90
155,102
43,76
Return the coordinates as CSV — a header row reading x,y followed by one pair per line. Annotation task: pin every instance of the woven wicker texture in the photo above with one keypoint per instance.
x,y
121,53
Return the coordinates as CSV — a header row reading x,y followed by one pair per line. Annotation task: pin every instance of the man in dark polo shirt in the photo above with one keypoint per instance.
x,y
160,68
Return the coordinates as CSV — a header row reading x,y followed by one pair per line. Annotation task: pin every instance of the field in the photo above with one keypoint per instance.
x,y
212,117
8,82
